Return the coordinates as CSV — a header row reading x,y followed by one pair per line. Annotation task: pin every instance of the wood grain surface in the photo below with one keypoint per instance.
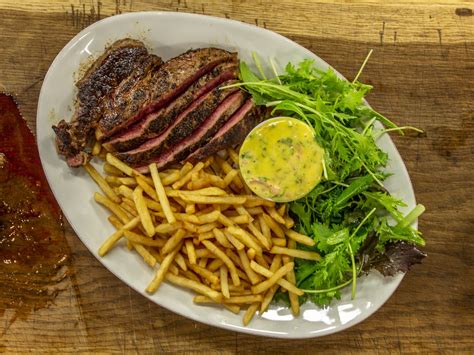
x,y
422,70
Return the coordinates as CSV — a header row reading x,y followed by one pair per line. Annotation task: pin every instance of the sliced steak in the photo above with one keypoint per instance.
x,y
159,88
153,124
118,62
183,126
180,150
232,133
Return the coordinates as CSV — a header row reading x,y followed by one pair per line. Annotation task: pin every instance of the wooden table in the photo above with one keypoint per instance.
x,y
422,69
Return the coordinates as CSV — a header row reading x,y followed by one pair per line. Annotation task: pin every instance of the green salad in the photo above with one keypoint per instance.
x,y
356,223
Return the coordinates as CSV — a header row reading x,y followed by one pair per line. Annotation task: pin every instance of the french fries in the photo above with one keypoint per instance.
x,y
199,227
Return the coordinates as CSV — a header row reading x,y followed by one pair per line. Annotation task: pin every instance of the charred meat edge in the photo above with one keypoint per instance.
x,y
232,133
115,64
183,126
159,88
154,124
201,135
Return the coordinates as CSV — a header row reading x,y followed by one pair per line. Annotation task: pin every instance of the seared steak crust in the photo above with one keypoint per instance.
x,y
118,61
159,88
182,127
154,123
180,150
232,133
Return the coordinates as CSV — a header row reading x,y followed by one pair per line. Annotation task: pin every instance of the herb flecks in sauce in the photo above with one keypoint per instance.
x,y
281,160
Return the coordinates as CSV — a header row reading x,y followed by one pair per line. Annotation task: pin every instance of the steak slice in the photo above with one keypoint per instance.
x,y
232,133
118,61
159,88
154,123
201,135
183,126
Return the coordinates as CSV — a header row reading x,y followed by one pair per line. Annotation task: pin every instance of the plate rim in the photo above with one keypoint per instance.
x,y
136,15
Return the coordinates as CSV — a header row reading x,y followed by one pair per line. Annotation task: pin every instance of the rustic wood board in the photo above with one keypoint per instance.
x,y
422,70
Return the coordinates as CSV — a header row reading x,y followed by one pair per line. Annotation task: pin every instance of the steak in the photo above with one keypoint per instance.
x,y
159,88
232,133
118,62
201,135
183,126
153,124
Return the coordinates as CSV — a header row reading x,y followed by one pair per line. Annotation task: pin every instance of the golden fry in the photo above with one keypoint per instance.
x,y
300,238
179,259
208,217
96,148
190,251
280,242
170,179
240,219
150,191
160,191
190,209
276,262
136,238
254,201
221,255
112,206
253,277
221,238
224,281
167,228
143,212
195,286
110,241
265,228
161,272
172,242
244,299
234,241
244,237
200,299
115,221
112,170
265,285
275,215
204,273
230,176
274,226
214,265
119,165
186,177
145,254
250,312
117,180
260,237
282,282
294,301
207,228
302,254
251,253
289,223
231,200
102,183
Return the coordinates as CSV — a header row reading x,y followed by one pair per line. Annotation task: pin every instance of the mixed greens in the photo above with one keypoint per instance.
x,y
355,222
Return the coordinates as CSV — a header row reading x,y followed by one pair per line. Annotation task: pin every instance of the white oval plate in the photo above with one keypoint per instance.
x,y
169,34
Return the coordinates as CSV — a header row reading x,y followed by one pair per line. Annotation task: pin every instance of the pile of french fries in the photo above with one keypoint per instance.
x,y
201,228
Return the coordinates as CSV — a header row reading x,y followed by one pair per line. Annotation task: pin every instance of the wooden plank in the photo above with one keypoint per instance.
x,y
422,71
